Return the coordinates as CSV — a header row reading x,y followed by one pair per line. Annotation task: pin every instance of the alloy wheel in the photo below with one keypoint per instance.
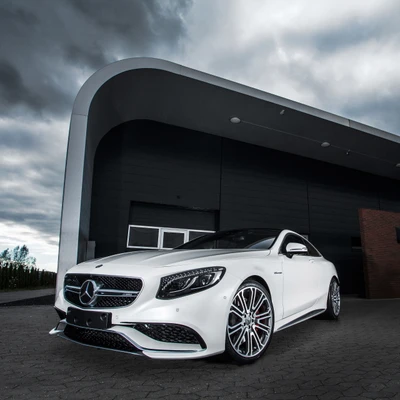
x,y
250,322
335,297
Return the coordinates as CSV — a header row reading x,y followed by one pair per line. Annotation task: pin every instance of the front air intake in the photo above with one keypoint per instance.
x,y
98,338
171,333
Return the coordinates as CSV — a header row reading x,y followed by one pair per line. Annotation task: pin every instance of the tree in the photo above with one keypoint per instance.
x,y
30,261
20,255
6,255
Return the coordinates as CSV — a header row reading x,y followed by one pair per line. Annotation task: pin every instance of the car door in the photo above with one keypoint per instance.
x,y
300,278
316,259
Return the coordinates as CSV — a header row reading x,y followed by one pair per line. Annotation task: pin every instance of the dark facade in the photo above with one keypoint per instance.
x,y
147,173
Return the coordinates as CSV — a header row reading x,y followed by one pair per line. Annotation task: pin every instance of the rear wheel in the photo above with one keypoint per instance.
x,y
250,323
333,303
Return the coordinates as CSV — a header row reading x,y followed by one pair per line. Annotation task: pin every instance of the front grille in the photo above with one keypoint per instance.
x,y
171,333
110,301
103,339
106,282
112,291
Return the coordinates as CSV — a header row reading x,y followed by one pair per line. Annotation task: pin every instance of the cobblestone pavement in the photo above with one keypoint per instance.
x,y
357,357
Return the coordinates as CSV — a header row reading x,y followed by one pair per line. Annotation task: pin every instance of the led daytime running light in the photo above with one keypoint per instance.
x,y
188,282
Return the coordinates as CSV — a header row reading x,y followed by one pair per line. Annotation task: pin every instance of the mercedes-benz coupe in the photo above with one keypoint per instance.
x,y
223,292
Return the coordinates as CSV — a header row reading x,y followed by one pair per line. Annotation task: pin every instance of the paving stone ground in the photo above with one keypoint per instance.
x,y
357,357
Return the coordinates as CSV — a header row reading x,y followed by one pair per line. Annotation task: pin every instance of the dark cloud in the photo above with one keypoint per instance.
x,y
39,220
381,110
21,139
13,91
16,16
91,58
349,32
31,176
46,43
48,49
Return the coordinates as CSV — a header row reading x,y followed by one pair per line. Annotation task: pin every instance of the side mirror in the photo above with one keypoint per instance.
x,y
295,248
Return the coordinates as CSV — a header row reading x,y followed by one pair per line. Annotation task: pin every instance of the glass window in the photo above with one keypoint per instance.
x,y
235,239
356,244
264,244
143,237
312,251
172,239
196,234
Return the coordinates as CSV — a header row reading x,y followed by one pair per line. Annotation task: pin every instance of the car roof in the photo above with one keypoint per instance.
x,y
268,230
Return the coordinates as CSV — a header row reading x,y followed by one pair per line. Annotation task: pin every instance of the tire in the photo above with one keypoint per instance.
x,y
333,303
250,323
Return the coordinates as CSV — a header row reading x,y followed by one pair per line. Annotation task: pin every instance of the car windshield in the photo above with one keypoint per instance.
x,y
261,239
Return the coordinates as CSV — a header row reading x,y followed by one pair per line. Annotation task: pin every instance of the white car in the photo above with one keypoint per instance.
x,y
223,292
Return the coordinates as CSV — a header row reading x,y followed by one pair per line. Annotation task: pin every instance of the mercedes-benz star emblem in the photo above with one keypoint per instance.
x,y
87,294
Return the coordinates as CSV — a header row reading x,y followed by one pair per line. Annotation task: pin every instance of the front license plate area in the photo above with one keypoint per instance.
x,y
89,319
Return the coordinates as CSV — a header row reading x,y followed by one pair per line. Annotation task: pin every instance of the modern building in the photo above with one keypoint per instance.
x,y
159,153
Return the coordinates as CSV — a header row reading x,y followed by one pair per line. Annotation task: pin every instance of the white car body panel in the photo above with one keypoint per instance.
x,y
298,286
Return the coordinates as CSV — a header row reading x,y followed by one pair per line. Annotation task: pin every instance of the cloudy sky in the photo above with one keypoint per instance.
x,y
337,55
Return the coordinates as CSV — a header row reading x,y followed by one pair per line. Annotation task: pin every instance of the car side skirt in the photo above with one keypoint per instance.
x,y
288,322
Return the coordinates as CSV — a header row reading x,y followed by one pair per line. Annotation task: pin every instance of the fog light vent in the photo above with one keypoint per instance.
x,y
171,333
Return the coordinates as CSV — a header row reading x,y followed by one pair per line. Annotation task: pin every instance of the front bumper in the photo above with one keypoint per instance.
x,y
204,314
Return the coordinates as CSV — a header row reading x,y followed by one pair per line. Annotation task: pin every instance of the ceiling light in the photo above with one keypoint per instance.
x,y
325,144
235,120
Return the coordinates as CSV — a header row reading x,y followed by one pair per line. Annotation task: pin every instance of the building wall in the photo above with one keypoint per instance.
x,y
243,185
145,162
380,235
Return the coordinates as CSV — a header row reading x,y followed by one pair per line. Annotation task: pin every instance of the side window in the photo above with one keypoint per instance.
x,y
291,239
312,251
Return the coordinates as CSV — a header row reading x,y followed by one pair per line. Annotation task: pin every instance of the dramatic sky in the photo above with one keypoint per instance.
x,y
338,55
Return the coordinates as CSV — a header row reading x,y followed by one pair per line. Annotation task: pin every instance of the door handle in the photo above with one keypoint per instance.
x,y
311,260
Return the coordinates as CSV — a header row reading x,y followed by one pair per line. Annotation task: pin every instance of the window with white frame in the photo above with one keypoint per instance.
x,y
157,237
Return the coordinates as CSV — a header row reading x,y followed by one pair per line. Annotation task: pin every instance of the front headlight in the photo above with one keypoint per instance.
x,y
189,282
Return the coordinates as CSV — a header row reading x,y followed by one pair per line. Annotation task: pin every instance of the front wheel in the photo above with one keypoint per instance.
x,y
333,303
250,323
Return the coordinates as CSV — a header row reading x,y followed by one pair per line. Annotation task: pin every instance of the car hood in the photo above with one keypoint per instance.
x,y
140,261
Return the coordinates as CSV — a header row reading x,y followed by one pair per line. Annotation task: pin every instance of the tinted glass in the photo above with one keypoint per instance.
x,y
143,237
173,239
312,251
264,244
238,239
194,235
